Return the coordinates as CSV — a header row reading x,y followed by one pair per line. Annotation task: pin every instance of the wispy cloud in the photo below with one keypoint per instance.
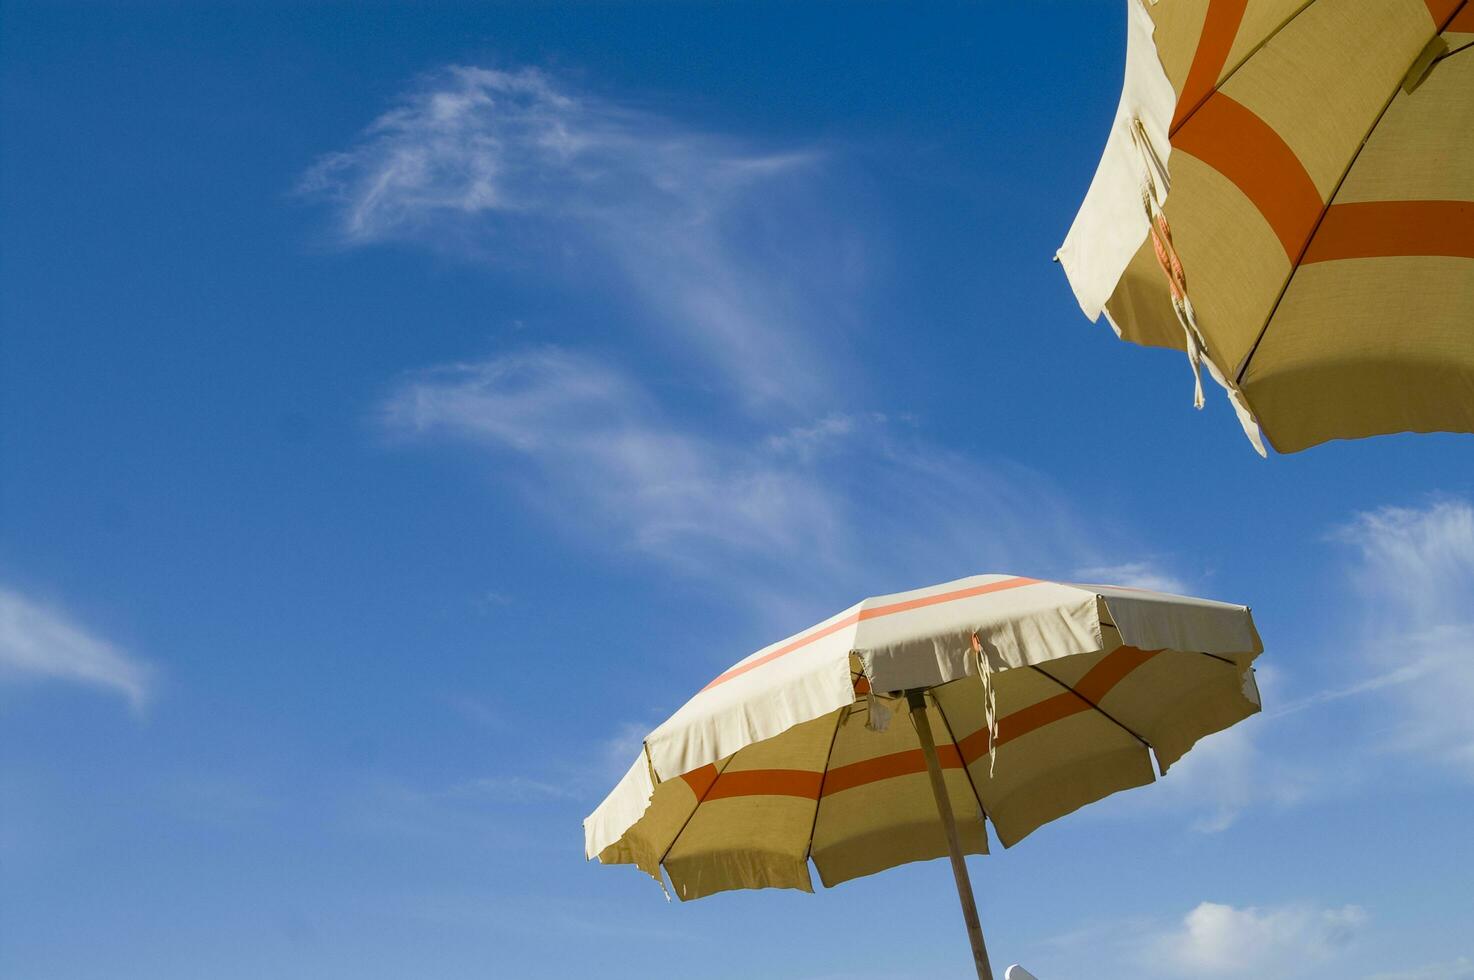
x,y
38,641
739,257
616,750
1136,574
837,498
1421,559
1225,776
1213,939
709,233
606,452
1230,773
1412,583
1216,940
1246,769
1413,671
1414,578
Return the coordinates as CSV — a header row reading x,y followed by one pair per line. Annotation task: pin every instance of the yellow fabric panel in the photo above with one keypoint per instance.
x,y
1074,779
866,828
1262,18
1321,81
1141,307
1051,770
871,828
803,747
743,842
1069,670
1176,698
754,840
645,843
1234,262
1056,769
1178,27
856,743
1363,347
1423,149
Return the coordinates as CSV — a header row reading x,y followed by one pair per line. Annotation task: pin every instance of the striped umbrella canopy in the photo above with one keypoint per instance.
x,y
1027,699
1287,195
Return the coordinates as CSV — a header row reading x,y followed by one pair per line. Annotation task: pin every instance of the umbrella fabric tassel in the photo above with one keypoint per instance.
x,y
990,700
1154,187
917,701
877,716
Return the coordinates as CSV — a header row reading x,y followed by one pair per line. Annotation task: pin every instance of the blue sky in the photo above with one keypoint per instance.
x,y
402,409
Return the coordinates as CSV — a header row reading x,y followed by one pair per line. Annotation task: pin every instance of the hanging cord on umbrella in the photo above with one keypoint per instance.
x,y
984,665
878,716
1177,283
1153,174
1155,183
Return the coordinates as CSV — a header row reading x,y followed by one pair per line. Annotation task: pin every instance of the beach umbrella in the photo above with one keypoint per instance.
x,y
898,729
1287,195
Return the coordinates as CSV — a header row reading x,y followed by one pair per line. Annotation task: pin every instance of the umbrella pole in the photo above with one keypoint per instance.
x,y
917,702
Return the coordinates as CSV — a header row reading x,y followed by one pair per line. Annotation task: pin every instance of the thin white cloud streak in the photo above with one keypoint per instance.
x,y
1136,574
1402,675
1241,770
1225,776
41,642
1216,940
708,232
1420,559
1414,578
832,501
605,451
1229,773
616,751
737,252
